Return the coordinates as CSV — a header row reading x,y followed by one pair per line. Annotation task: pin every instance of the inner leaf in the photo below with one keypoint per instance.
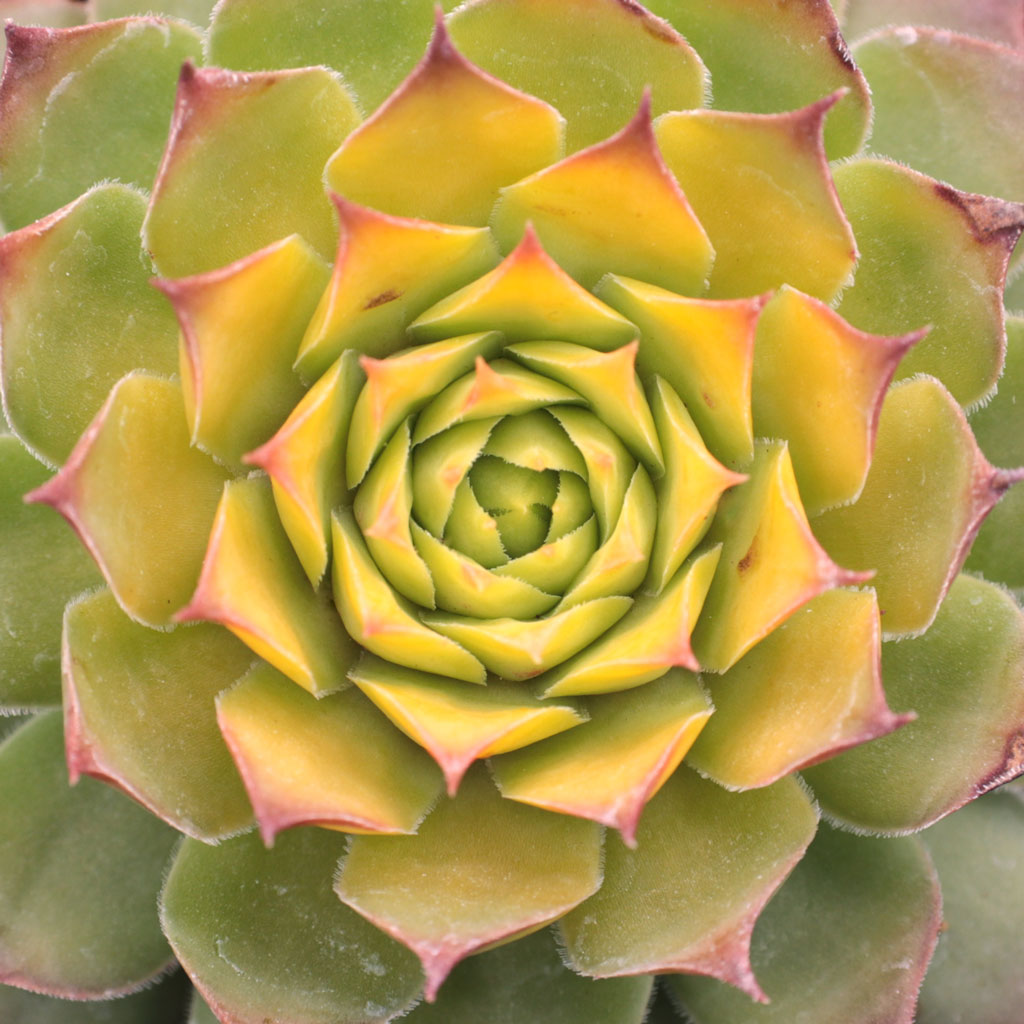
x,y
518,499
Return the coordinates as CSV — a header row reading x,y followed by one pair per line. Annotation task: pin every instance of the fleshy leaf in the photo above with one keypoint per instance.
x,y
556,563
773,57
381,621
195,11
975,975
514,649
473,531
999,430
809,689
138,706
843,379
535,441
962,678
771,563
388,270
240,329
466,133
704,348
651,638
699,911
848,937
924,447
382,509
243,166
459,724
586,208
949,105
930,255
140,498
373,45
262,935
526,980
266,601
305,461
611,767
481,870
998,20
38,549
334,762
68,121
78,313
760,185
81,868
528,297
401,385
688,492
608,381
624,49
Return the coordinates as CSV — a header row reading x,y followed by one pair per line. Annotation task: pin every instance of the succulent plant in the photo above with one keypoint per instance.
x,y
523,459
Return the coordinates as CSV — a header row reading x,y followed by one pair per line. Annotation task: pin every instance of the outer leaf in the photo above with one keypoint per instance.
x,y
482,870
252,583
68,121
998,20
930,255
77,313
760,185
37,548
262,935
699,911
624,50
975,977
243,166
138,706
999,429
847,938
928,85
80,870
334,762
240,332
586,208
963,679
526,980
917,547
140,498
809,689
373,45
459,724
610,768
779,56
195,11
467,135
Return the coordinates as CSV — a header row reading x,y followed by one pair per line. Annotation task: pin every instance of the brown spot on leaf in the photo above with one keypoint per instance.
x,y
384,297
708,400
990,220
748,559
1011,766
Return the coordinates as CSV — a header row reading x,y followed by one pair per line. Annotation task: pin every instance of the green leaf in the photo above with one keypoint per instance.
x,y
244,166
948,105
37,547
481,870
623,50
975,977
263,936
80,869
373,45
847,938
526,980
78,313
962,678
195,11
140,714
991,19
68,120
929,255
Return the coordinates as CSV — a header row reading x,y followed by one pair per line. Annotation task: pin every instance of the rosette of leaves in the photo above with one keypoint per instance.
x,y
532,494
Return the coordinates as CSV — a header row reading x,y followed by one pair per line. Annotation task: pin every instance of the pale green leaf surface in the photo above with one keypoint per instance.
x,y
140,713
78,312
998,20
847,938
80,870
37,547
195,11
263,936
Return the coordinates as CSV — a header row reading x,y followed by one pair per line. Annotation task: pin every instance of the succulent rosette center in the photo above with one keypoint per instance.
x,y
581,433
